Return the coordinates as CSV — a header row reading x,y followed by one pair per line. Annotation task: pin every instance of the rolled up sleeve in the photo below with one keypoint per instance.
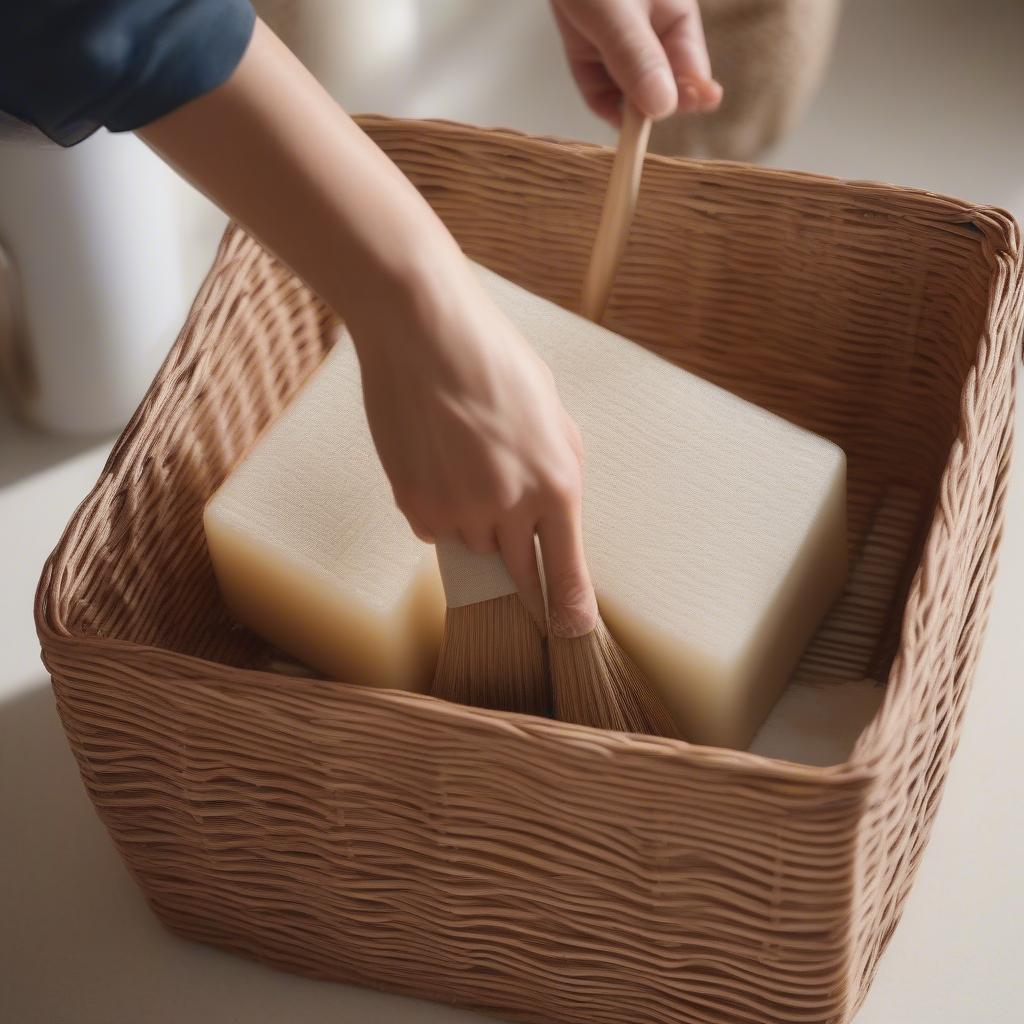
x,y
69,67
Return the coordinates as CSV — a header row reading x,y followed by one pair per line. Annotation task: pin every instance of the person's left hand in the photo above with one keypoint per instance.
x,y
650,51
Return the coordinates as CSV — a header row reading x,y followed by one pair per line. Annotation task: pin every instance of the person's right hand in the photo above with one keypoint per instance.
x,y
475,440
464,414
652,52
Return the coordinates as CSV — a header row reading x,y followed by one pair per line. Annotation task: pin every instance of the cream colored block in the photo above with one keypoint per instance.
x,y
310,550
715,530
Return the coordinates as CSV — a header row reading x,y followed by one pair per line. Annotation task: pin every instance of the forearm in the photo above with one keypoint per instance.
x,y
464,415
274,151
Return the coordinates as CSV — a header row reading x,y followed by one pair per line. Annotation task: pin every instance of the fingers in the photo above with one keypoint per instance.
x,y
419,526
572,606
596,86
631,51
682,35
516,543
573,436
481,539
598,89
655,53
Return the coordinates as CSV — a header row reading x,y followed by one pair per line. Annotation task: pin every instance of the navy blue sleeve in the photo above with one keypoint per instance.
x,y
72,66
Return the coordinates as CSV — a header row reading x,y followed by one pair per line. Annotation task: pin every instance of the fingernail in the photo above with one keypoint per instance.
x,y
567,625
538,616
689,98
661,93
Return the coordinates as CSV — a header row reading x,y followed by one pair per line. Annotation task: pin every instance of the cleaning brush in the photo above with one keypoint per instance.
x,y
596,683
593,681
617,212
492,650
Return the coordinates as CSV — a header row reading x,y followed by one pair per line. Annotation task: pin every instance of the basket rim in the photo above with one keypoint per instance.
x,y
995,222
241,683
865,763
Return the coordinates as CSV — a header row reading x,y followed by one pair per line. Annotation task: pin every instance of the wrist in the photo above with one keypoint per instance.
x,y
406,303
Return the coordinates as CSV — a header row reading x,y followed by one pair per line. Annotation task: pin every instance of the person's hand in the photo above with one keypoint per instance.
x,y
475,441
465,416
650,51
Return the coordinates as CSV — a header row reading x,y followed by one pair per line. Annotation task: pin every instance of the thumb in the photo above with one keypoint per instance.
x,y
572,606
632,53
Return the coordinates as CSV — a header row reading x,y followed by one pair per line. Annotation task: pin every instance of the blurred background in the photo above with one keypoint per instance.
x,y
105,250
109,247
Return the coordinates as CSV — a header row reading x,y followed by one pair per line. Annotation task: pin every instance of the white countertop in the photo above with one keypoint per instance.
x,y
78,944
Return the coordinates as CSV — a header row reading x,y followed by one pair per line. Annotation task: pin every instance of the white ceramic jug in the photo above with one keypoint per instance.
x,y
92,290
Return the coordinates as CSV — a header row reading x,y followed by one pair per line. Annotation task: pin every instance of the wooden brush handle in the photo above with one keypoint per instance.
x,y
617,214
469,578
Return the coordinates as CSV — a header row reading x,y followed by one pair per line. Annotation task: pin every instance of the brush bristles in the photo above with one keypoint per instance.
x,y
594,682
492,656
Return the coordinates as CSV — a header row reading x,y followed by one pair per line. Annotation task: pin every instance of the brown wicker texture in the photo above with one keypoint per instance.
x,y
542,870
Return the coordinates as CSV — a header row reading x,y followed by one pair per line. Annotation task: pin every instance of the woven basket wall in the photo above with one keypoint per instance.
x,y
545,871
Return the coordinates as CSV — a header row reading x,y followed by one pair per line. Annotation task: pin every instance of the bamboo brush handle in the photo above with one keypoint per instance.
x,y
617,214
470,578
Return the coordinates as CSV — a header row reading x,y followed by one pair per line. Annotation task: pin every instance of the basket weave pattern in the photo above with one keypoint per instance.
x,y
542,870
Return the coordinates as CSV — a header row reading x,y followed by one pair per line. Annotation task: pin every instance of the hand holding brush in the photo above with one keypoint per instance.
x,y
491,652
594,682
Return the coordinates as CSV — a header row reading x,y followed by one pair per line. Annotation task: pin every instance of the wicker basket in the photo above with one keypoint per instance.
x,y
545,871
